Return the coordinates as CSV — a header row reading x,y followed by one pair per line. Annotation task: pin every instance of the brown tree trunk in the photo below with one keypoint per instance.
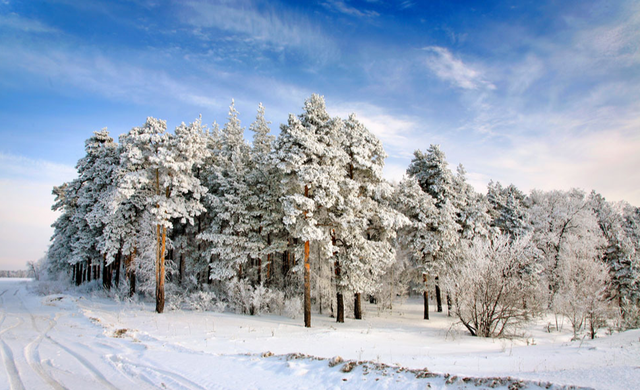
x,y
106,280
307,287
269,265
131,271
161,270
88,272
259,271
357,306
438,296
118,264
307,276
340,308
425,295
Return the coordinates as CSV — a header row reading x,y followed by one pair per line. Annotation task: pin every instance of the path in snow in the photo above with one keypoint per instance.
x,y
68,342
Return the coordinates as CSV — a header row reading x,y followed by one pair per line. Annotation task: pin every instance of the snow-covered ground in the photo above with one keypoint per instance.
x,y
67,341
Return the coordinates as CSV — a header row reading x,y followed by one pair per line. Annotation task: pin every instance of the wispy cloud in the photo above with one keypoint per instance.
x,y
405,4
344,8
398,133
88,70
275,28
14,21
23,168
441,62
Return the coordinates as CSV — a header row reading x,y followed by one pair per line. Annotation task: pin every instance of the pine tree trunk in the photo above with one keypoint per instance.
x,y
425,295
269,265
357,306
448,305
438,296
259,271
131,271
340,306
161,271
307,276
89,266
118,262
106,281
182,265
307,287
269,259
78,274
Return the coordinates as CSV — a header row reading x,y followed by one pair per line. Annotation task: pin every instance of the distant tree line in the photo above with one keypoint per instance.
x,y
21,273
201,219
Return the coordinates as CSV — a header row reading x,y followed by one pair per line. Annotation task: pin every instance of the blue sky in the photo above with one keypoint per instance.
x,y
542,94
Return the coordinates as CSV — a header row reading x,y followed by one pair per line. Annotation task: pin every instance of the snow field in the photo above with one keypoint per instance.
x,y
63,341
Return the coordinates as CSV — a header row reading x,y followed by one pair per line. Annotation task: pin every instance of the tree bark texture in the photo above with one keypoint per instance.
x,y
307,287
307,276
357,306
118,264
182,265
438,296
425,295
161,270
131,272
340,307
106,279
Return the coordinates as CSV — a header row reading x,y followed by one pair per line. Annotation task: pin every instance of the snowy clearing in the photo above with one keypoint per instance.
x,y
63,341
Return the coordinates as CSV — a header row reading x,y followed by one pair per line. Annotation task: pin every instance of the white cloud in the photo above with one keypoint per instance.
x,y
275,27
16,22
400,135
342,7
445,66
90,71
615,43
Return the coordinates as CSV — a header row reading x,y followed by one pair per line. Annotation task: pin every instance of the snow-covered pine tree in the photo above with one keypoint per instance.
x,y
310,162
473,209
267,236
96,171
434,177
158,167
64,230
619,225
420,238
226,236
366,222
509,209
101,165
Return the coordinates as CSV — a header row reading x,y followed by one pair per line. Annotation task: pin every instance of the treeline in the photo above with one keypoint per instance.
x,y
16,274
305,220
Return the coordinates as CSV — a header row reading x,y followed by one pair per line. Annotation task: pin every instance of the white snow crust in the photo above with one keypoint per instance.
x,y
66,341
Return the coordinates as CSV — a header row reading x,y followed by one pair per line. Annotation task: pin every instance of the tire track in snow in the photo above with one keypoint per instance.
x,y
92,369
164,373
15,382
87,364
32,354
